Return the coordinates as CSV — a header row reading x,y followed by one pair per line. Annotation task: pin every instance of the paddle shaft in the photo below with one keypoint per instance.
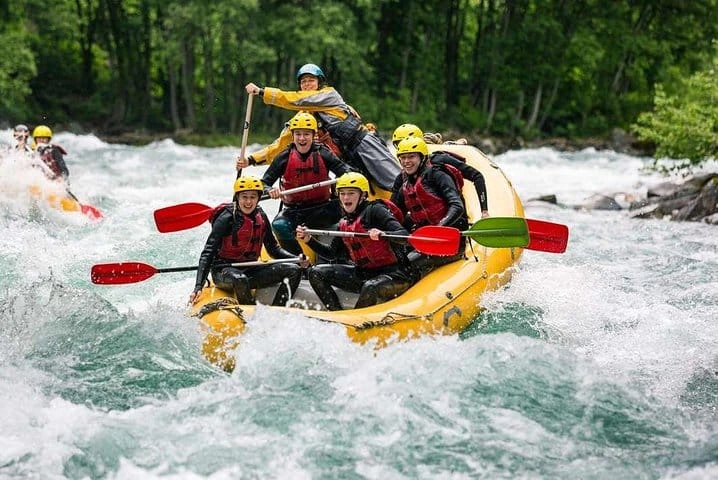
x,y
238,264
429,239
189,215
304,188
332,233
72,196
134,272
245,132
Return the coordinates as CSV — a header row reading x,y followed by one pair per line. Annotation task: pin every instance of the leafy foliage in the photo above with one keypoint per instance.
x,y
684,126
16,71
525,68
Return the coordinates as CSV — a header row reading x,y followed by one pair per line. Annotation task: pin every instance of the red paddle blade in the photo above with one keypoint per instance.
x,y
547,236
121,273
181,217
91,212
436,240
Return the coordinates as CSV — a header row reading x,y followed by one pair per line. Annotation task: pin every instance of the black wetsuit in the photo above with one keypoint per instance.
x,y
243,280
441,184
374,285
467,171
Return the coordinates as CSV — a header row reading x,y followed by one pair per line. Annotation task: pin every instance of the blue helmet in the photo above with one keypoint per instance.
x,y
311,69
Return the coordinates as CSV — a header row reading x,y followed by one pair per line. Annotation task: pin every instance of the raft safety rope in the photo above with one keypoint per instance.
x,y
387,319
224,303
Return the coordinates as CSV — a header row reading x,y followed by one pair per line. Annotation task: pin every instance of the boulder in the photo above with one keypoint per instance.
x,y
703,206
694,199
600,202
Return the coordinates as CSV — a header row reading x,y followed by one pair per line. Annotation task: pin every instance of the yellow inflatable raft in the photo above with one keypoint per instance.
x,y
444,302
65,202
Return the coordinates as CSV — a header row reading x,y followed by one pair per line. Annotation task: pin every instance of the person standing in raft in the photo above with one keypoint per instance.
x,y
428,196
447,158
239,230
304,162
340,126
379,271
53,156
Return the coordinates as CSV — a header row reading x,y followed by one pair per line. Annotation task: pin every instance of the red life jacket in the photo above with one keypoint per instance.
x,y
393,208
245,241
47,155
300,172
365,252
324,137
217,210
426,208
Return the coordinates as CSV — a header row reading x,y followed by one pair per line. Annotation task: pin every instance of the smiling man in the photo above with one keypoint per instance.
x,y
380,269
304,162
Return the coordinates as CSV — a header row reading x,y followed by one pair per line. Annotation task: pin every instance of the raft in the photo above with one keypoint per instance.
x,y
444,302
65,202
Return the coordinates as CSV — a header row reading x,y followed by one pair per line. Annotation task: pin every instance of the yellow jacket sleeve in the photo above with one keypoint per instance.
x,y
325,100
267,154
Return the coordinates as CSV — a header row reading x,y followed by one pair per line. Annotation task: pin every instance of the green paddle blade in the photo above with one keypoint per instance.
x,y
499,232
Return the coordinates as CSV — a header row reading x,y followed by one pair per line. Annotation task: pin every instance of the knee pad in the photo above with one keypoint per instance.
x,y
283,228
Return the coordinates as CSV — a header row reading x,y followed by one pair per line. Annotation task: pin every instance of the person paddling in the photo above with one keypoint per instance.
x,y
379,271
53,156
239,230
427,195
304,162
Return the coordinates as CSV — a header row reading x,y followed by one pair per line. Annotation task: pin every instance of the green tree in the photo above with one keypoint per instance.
x,y
17,63
684,126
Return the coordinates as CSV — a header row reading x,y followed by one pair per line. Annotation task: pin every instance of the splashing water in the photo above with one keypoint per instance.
x,y
598,363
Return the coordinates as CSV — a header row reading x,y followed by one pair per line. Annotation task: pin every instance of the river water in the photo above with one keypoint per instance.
x,y
597,363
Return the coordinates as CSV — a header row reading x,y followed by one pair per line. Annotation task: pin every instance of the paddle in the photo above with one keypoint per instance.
x,y
245,133
431,239
499,232
547,236
87,210
134,272
189,215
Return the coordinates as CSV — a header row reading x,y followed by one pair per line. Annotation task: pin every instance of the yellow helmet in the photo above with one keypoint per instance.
x,y
412,145
406,130
42,131
353,180
248,184
303,120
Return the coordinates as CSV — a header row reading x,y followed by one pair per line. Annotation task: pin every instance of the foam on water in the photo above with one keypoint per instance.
x,y
598,363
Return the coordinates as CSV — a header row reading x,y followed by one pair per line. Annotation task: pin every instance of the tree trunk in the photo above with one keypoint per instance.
x,y
536,107
209,90
174,106
518,115
492,110
87,13
548,106
454,30
143,67
188,84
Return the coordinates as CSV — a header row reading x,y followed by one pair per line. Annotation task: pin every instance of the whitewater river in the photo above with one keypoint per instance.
x,y
598,363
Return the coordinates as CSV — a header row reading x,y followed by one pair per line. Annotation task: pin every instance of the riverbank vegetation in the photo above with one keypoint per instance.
x,y
513,69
